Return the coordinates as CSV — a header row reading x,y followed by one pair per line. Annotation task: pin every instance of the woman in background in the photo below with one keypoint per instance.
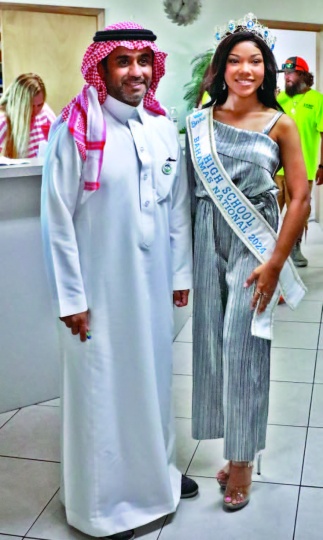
x,y
25,118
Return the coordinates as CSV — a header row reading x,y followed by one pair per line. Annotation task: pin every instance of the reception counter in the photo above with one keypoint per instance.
x,y
29,353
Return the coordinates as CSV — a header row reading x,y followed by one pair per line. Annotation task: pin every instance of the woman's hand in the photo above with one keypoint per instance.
x,y
265,278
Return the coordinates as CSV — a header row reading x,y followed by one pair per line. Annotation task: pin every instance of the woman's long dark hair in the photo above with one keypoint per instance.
x,y
215,78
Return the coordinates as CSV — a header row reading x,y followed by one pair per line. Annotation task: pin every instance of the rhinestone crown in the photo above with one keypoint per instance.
x,y
248,23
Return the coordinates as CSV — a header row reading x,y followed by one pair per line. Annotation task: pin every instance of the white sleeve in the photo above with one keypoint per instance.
x,y
59,198
181,229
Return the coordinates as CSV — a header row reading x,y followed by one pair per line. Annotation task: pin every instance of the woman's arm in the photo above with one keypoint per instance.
x,y
266,275
296,181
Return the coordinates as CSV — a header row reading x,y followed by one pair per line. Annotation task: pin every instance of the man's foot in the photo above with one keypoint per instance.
x,y
297,256
189,488
125,535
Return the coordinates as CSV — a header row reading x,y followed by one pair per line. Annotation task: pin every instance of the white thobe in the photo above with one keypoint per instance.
x,y
119,254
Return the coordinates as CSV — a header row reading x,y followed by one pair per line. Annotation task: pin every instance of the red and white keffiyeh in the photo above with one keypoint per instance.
x,y
84,115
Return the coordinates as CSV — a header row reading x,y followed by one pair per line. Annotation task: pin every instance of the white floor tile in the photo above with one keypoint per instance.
x,y
51,403
270,514
314,256
321,338
208,459
186,333
293,365
319,367
182,388
313,470
182,353
311,274
283,457
314,253
306,312
315,290
32,433
289,403
4,417
316,418
52,525
5,537
296,335
26,487
309,523
185,444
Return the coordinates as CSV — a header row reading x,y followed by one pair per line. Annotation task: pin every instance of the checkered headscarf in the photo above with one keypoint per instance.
x,y
84,115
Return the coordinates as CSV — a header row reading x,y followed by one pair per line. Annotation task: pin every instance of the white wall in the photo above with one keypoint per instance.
x,y
182,43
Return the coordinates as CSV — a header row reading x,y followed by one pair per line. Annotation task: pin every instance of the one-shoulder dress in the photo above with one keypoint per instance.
x,y
231,368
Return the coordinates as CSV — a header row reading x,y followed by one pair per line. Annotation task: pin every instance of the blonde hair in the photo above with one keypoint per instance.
x,y
17,104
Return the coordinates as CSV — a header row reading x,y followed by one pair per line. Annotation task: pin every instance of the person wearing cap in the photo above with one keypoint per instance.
x,y
117,241
305,106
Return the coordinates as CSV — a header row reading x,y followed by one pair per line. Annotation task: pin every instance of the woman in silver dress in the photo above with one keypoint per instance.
x,y
230,365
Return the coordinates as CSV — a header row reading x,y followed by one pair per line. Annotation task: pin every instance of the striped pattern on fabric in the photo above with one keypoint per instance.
x,y
39,130
231,368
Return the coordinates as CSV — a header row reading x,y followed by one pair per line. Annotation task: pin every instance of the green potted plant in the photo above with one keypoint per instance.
x,y
200,64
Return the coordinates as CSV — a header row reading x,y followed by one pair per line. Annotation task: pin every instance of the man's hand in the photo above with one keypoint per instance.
x,y
78,323
180,298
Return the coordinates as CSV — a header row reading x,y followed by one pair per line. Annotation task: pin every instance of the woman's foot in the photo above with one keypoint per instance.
x,y
237,492
223,475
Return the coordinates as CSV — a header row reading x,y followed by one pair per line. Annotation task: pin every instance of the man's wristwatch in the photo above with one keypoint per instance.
x,y
320,166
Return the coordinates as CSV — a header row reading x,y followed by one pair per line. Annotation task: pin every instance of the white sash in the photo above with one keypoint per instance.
x,y
241,215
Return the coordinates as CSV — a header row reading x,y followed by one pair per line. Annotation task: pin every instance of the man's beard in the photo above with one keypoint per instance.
x,y
298,87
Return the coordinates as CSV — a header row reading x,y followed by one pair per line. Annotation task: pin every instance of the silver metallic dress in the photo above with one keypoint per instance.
x,y
231,368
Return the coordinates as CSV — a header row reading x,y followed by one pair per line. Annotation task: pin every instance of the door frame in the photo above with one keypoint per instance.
x,y
303,27
63,10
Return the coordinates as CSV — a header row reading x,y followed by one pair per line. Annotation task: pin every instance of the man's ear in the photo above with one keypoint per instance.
x,y
101,70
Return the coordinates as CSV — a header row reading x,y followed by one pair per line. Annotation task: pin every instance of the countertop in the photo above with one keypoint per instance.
x,y
32,168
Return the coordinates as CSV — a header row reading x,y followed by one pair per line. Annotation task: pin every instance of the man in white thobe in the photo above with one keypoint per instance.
x,y
116,230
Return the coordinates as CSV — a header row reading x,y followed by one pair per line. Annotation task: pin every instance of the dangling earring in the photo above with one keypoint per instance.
x,y
262,86
224,86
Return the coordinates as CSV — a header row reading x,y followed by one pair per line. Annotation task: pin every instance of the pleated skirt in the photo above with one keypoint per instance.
x,y
231,368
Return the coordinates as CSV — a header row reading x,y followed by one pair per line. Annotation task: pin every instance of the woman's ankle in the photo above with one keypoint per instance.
x,y
242,463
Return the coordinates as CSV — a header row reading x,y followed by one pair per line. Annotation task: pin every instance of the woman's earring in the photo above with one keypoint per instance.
x,y
262,86
224,85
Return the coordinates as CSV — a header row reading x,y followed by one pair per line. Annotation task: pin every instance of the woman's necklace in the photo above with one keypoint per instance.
x,y
296,103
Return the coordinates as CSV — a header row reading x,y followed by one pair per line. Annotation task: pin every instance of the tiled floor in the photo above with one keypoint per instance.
x,y
287,499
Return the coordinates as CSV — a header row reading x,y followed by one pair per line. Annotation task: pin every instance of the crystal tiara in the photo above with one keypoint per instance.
x,y
248,23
